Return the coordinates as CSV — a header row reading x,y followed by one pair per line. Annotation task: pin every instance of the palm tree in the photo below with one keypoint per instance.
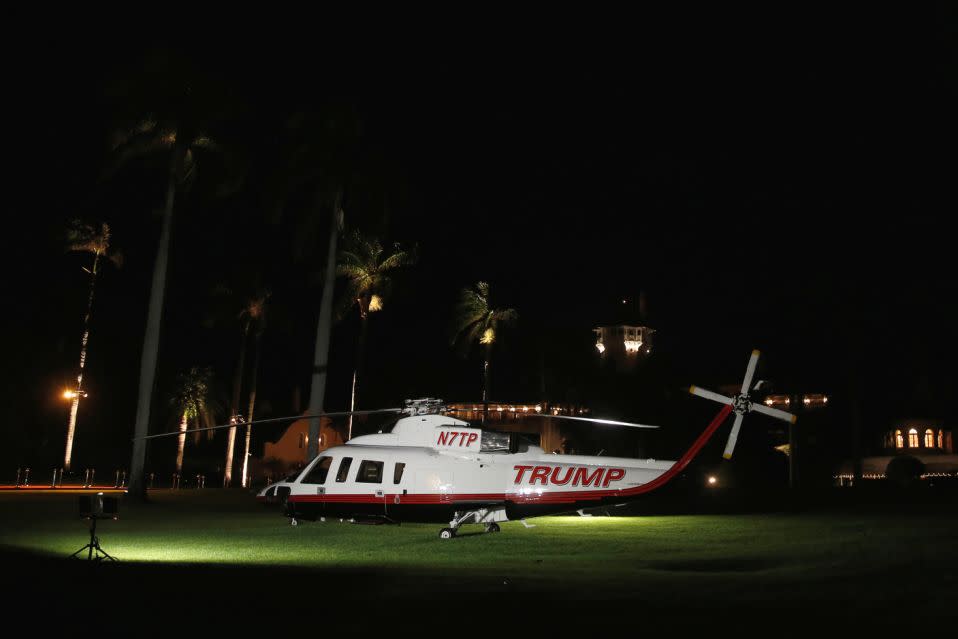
x,y
87,239
251,314
476,320
260,326
366,266
183,144
322,160
192,402
324,328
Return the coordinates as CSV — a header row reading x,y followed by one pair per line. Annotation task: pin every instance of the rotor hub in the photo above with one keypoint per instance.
x,y
424,406
741,404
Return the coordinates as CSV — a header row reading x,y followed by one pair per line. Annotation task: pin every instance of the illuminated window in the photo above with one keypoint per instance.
x,y
912,438
941,439
899,440
929,438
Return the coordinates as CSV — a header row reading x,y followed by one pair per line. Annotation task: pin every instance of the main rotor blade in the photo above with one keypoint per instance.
x,y
733,436
344,413
594,420
750,372
291,418
774,412
707,394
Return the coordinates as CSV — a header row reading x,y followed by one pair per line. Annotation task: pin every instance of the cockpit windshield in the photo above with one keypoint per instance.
x,y
494,442
498,442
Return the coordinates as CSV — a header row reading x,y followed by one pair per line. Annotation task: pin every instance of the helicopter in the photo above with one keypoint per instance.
x,y
433,468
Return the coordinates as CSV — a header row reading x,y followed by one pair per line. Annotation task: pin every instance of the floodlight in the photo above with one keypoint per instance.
x,y
92,508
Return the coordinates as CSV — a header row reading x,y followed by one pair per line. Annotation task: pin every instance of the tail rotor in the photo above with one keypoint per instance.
x,y
742,404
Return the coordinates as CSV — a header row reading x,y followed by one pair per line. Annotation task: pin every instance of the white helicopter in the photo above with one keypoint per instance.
x,y
431,467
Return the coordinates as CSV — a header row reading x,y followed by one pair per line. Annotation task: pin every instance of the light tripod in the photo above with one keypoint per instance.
x,y
94,552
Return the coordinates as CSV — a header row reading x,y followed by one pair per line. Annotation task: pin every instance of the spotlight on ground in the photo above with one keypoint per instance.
x,y
93,508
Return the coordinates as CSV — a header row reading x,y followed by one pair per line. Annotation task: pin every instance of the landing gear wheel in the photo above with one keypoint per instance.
x,y
447,533
493,527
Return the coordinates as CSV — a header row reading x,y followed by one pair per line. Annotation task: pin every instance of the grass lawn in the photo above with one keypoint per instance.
x,y
869,568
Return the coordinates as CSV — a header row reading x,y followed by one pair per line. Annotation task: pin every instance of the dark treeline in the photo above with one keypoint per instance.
x,y
796,205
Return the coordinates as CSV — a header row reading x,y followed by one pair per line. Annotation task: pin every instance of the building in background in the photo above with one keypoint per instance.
x,y
625,339
521,418
918,437
623,344
912,449
288,453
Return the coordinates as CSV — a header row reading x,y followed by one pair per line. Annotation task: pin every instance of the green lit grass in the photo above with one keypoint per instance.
x,y
762,560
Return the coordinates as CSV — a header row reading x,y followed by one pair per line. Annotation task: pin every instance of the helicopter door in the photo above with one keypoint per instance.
x,y
371,472
396,488
316,477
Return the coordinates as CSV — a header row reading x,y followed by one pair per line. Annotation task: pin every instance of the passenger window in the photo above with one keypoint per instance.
x,y
397,472
317,474
343,469
370,472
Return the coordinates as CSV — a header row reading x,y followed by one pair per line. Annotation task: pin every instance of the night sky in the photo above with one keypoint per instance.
x,y
792,193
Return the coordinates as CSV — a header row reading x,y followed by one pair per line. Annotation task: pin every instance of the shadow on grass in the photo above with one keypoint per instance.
x,y
730,564
168,597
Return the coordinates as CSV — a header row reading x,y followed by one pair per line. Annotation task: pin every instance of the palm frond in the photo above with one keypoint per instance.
x,y
88,238
351,269
362,264
83,237
398,258
144,128
482,290
505,316
256,307
191,394
206,143
474,320
146,138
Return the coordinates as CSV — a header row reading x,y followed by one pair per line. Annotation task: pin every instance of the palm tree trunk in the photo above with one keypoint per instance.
x,y
485,383
181,444
151,341
234,407
252,405
75,405
352,407
358,371
317,389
